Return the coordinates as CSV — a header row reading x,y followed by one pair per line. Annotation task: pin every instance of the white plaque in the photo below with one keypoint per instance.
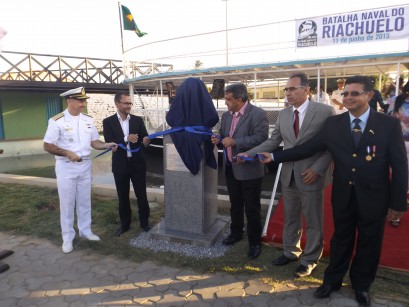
x,y
173,160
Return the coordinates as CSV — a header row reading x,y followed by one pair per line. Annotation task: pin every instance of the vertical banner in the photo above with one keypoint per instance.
x,y
357,27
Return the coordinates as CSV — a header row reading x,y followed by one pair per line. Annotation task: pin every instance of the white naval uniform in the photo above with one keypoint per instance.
x,y
338,97
73,178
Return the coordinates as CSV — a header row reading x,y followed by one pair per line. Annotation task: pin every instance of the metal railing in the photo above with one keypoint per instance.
x,y
35,67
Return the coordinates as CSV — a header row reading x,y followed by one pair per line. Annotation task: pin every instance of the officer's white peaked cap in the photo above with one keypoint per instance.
x,y
76,93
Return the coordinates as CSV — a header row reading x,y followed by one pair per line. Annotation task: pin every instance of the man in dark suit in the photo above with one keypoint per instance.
x,y
377,99
365,146
243,126
128,165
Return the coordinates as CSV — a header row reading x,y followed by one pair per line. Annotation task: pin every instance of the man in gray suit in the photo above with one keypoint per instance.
x,y
302,181
243,126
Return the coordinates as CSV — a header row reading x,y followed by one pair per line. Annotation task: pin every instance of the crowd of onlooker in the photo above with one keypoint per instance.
x,y
382,100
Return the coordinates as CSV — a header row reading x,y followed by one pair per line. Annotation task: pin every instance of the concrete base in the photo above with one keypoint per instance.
x,y
160,232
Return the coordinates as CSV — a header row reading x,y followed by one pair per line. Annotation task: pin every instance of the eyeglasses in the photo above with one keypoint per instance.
x,y
353,94
127,103
292,89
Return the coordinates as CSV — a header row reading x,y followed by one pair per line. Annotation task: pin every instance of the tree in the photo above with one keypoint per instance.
x,y
198,64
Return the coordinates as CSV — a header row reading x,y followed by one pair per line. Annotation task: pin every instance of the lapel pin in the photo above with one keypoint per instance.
x,y
371,131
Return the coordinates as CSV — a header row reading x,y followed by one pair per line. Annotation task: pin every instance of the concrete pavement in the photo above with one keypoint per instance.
x,y
41,275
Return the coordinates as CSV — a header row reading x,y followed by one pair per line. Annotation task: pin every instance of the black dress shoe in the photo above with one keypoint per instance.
x,y
363,298
325,290
230,240
303,270
120,231
254,251
5,253
145,227
3,267
282,260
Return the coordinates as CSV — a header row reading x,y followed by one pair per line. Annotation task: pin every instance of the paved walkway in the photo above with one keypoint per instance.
x,y
41,275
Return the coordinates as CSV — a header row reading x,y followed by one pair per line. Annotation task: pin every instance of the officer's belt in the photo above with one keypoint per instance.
x,y
68,160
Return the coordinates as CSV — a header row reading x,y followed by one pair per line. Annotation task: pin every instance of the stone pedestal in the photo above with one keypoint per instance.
x,y
190,202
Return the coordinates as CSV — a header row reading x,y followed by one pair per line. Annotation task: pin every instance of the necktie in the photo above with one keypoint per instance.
x,y
356,131
296,123
235,120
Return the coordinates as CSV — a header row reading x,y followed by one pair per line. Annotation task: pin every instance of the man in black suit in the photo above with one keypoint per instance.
x,y
365,145
377,99
128,165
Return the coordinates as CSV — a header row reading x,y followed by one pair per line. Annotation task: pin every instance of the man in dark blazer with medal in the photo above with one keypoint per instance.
x,y
370,181
128,165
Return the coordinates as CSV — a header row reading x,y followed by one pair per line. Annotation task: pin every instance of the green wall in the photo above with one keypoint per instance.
x,y
24,114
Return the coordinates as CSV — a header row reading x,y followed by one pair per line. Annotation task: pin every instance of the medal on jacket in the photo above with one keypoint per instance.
x,y
368,150
373,151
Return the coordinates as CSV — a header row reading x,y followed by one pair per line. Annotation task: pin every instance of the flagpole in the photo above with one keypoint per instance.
x,y
121,26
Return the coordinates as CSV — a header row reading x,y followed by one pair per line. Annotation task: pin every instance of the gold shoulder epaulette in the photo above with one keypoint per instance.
x,y
58,116
86,115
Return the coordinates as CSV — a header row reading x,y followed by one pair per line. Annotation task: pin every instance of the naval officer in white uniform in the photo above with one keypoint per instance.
x,y
70,136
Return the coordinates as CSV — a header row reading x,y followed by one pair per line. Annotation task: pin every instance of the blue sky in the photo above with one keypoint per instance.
x,y
91,27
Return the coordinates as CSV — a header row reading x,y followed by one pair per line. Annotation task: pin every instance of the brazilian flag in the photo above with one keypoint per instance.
x,y
129,22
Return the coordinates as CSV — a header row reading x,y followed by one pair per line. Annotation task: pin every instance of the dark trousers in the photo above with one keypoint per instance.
x,y
122,183
353,229
244,197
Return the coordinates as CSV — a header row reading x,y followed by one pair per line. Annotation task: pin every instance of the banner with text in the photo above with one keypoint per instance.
x,y
356,27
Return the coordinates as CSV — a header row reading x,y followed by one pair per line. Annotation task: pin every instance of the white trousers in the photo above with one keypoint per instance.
x,y
74,190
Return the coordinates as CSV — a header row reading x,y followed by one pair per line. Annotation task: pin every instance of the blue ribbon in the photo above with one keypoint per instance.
x,y
248,159
103,153
119,145
192,129
203,130
160,133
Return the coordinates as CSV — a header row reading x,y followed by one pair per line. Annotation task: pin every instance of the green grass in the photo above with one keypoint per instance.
x,y
31,210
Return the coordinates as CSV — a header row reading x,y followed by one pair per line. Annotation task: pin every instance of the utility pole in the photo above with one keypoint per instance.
x,y
227,36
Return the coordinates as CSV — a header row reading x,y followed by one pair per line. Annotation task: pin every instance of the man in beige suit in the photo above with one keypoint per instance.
x,y
302,181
